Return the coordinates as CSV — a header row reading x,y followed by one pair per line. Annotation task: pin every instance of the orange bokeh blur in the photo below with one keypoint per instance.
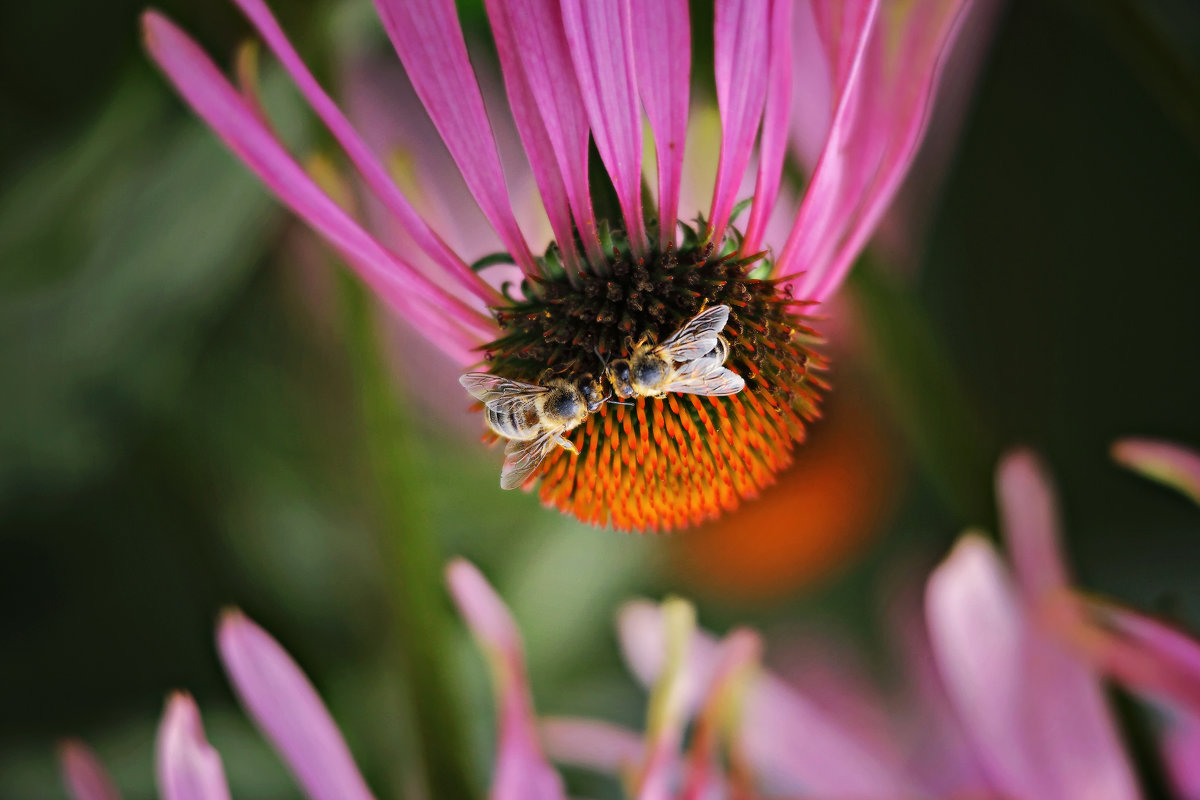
x,y
821,513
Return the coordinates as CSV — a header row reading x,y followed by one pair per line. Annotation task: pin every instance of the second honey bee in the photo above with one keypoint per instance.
x,y
532,417
691,361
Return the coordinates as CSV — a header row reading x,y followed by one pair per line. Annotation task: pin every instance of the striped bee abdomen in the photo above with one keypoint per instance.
x,y
518,422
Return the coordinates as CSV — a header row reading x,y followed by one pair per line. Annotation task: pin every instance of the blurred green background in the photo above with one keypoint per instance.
x,y
188,420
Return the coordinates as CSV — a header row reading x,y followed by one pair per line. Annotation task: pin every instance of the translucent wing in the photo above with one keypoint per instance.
x,y
522,458
500,394
697,337
704,378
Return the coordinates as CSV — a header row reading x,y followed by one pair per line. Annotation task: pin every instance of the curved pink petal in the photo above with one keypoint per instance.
x,y
740,55
1146,655
1068,695
599,34
1029,516
668,708
364,160
83,774
788,737
1035,713
521,773
1162,461
535,31
773,143
979,636
535,137
740,651
456,327
816,232
888,96
287,709
188,767
813,98
940,754
1181,752
429,41
662,46
597,745
785,736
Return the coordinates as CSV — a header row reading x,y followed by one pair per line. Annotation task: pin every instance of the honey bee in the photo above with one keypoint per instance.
x,y
532,417
690,361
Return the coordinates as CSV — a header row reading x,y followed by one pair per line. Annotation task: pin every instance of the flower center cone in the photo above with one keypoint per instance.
x,y
663,464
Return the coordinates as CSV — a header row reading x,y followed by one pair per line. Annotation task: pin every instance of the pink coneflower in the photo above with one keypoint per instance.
x,y
286,707
1004,699
848,84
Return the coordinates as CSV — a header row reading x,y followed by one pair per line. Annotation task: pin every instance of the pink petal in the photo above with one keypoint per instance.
x,y
941,755
456,327
888,95
662,46
288,710
813,98
83,774
533,132
640,633
1076,701
740,55
188,767
668,707
786,736
381,104
535,32
816,232
599,34
773,144
1181,752
429,41
1030,520
601,746
1146,655
839,23
902,232
1035,714
521,773
1162,461
740,652
977,630
364,160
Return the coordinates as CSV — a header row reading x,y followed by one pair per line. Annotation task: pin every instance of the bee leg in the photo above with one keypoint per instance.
x,y
566,444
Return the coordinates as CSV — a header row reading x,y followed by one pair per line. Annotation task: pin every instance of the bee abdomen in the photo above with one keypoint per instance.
x,y
512,423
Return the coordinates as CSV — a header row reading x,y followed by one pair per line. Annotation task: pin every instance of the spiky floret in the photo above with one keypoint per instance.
x,y
665,464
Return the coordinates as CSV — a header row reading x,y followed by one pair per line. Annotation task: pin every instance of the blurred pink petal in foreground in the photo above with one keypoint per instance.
x,y
1150,657
1166,462
83,774
857,81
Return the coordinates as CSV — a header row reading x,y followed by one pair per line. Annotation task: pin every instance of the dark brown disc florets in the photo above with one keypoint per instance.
x,y
664,464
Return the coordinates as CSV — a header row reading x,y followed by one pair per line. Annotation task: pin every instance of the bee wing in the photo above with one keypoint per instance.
x,y
499,394
705,378
521,458
697,337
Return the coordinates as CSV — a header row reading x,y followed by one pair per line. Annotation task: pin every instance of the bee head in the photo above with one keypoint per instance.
x,y
593,393
618,376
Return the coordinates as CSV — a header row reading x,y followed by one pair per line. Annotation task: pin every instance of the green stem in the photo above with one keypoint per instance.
x,y
931,406
412,558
